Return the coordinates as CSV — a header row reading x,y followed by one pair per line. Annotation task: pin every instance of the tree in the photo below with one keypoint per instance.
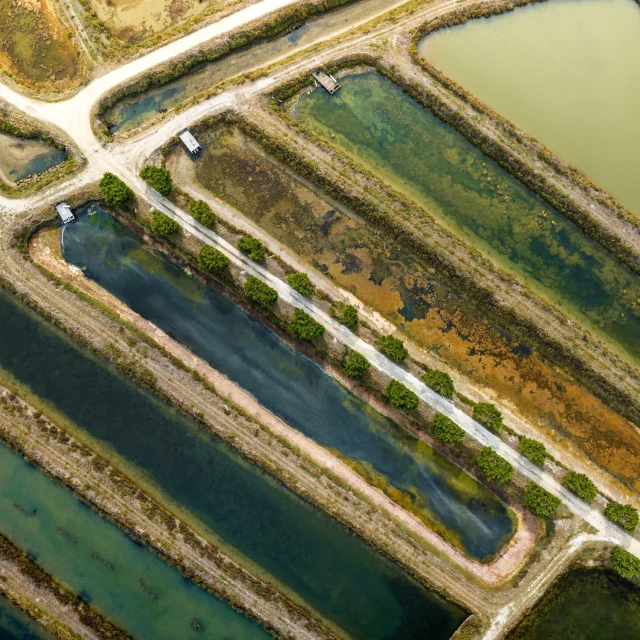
x,y
622,514
392,347
303,326
581,485
401,397
540,501
251,247
211,260
487,414
625,563
446,430
349,317
162,225
534,450
202,212
493,466
440,382
301,283
114,191
158,178
259,292
356,365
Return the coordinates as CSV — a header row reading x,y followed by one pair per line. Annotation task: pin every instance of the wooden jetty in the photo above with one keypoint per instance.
x,y
328,83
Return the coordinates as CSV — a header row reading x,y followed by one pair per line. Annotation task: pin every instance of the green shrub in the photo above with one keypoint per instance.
x,y
252,247
581,485
356,365
259,292
305,327
625,563
488,414
493,466
162,225
202,212
540,501
446,430
440,382
114,191
301,283
211,260
534,450
158,178
622,514
349,317
400,397
392,347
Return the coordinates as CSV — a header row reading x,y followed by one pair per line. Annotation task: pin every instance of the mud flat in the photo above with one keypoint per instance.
x,y
530,66
590,604
21,158
169,455
377,123
406,291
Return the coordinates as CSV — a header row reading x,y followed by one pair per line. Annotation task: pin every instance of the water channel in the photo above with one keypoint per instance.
x,y
23,157
288,383
244,509
565,71
127,583
584,604
374,121
16,625
133,111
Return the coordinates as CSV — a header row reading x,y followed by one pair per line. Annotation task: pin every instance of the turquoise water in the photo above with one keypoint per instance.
x,y
286,382
16,625
117,592
378,124
336,573
133,111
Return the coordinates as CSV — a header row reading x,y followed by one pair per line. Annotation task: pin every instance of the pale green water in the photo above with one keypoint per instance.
x,y
117,593
566,71
22,157
16,625
382,127
134,111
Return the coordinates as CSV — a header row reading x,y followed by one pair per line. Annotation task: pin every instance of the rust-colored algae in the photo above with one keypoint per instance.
x,y
410,295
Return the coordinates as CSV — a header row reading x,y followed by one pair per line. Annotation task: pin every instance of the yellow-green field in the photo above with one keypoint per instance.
x,y
35,48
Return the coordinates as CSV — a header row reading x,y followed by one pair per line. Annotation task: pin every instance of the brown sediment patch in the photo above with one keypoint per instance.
x,y
35,48
410,295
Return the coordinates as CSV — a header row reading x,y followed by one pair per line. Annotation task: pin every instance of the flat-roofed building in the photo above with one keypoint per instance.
x,y
190,142
64,211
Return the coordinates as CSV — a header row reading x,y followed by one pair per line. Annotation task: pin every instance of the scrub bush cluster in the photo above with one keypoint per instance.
x,y
203,213
162,225
392,347
211,260
496,469
625,563
446,430
622,514
401,397
489,415
440,382
251,247
158,178
301,283
581,485
305,327
259,292
534,450
540,501
114,191
356,365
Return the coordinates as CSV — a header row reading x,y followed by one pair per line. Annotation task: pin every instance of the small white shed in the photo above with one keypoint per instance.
x,y
190,142
64,211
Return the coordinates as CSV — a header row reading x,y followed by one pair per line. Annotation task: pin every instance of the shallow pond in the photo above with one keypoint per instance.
x,y
92,557
584,605
566,71
133,111
289,384
244,509
16,625
23,157
407,291
374,121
